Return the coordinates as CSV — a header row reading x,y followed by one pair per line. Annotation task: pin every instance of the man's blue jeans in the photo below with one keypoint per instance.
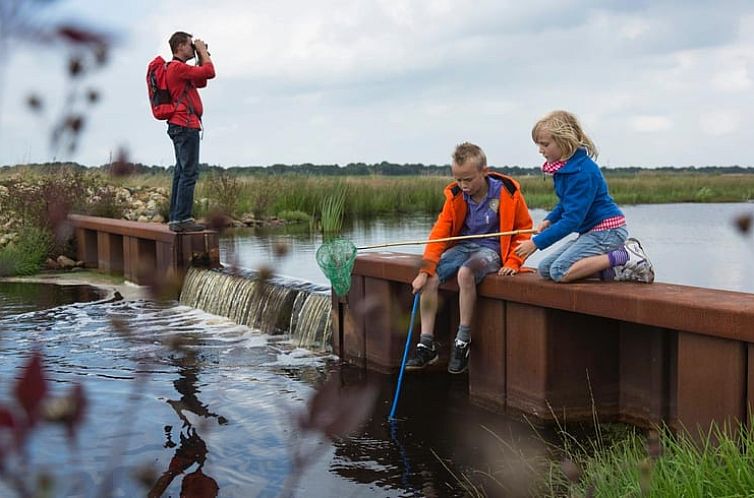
x,y
186,142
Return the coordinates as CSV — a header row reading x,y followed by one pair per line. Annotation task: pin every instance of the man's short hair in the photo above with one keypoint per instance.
x,y
470,152
178,38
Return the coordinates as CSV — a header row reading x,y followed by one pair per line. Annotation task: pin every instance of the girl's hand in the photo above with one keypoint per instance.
x,y
543,226
525,249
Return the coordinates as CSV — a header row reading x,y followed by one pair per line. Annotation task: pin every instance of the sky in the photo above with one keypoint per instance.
x,y
655,83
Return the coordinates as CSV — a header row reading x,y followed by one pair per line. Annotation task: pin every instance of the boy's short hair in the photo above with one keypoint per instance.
x,y
178,38
470,152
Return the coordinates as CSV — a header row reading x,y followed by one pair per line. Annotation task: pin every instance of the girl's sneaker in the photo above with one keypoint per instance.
x,y
638,268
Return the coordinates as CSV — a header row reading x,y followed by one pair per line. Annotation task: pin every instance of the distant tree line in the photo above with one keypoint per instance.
x,y
355,169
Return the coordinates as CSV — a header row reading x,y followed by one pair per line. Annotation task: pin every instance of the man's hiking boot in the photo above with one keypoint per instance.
x,y
638,268
423,356
459,357
186,226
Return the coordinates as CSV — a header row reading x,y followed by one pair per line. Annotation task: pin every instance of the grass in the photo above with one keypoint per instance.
x,y
27,255
332,211
719,462
374,196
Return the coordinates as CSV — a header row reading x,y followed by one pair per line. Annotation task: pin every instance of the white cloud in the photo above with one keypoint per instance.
x,y
650,124
733,80
720,122
404,80
634,28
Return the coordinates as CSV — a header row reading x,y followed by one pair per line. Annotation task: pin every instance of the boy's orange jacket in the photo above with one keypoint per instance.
x,y
514,215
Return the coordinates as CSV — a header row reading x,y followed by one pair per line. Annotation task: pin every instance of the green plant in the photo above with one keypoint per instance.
x,y
106,203
332,211
718,462
163,208
28,253
225,190
295,216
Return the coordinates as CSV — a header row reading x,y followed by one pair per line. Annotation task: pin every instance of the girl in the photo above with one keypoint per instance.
x,y
584,206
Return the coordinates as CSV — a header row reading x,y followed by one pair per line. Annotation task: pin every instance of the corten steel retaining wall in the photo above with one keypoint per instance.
x,y
144,253
639,353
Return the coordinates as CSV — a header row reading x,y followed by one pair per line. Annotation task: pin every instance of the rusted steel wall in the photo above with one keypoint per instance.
x,y
144,253
644,354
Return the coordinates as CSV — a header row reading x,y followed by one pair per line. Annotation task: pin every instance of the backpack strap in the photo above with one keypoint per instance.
x,y
183,96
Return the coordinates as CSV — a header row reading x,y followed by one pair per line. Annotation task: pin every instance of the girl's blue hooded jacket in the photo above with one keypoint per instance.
x,y
583,200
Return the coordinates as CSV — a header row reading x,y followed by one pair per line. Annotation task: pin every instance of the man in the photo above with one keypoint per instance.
x,y
478,202
185,124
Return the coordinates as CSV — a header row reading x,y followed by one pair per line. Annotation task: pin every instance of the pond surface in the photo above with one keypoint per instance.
x,y
689,244
172,388
176,396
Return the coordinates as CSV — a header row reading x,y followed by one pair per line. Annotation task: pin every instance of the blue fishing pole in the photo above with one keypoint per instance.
x,y
405,357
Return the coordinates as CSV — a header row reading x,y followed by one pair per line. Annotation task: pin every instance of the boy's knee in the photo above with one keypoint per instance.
x,y
433,282
466,277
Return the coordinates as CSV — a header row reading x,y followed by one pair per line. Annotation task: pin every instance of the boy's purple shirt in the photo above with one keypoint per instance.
x,y
484,217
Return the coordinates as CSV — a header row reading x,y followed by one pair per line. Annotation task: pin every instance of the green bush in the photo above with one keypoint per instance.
x,y
105,203
225,190
295,216
27,255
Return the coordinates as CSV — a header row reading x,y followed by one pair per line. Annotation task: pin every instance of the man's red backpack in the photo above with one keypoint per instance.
x,y
160,100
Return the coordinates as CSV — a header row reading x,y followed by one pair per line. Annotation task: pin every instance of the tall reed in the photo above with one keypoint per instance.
x,y
332,211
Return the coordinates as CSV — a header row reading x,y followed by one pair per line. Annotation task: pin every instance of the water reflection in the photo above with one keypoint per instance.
x,y
22,297
441,445
216,413
192,449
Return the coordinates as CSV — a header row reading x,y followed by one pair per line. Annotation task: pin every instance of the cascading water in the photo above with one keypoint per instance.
x,y
274,306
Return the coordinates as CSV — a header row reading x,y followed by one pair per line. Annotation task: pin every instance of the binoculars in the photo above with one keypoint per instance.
x,y
206,45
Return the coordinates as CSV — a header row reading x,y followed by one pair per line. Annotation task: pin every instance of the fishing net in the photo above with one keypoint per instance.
x,y
335,258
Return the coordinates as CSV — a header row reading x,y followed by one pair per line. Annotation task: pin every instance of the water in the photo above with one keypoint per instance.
x,y
168,386
689,244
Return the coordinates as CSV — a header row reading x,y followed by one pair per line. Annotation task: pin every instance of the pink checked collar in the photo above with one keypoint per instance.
x,y
551,168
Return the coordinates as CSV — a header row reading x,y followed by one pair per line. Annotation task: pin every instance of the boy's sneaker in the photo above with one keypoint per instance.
x,y
459,357
423,356
638,268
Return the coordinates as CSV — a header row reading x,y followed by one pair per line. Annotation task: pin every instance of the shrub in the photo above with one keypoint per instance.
x,y
225,190
106,203
27,255
295,216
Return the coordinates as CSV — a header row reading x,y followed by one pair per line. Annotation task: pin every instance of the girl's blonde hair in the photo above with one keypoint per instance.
x,y
566,131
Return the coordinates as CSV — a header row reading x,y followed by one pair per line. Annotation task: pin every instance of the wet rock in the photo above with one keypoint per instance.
x,y
65,262
51,264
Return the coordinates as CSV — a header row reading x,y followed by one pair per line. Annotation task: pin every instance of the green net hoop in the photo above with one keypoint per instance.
x,y
335,258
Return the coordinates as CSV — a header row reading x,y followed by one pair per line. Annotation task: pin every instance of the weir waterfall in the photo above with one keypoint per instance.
x,y
274,306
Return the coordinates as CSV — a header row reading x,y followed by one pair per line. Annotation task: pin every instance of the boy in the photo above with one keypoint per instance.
x,y
477,202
